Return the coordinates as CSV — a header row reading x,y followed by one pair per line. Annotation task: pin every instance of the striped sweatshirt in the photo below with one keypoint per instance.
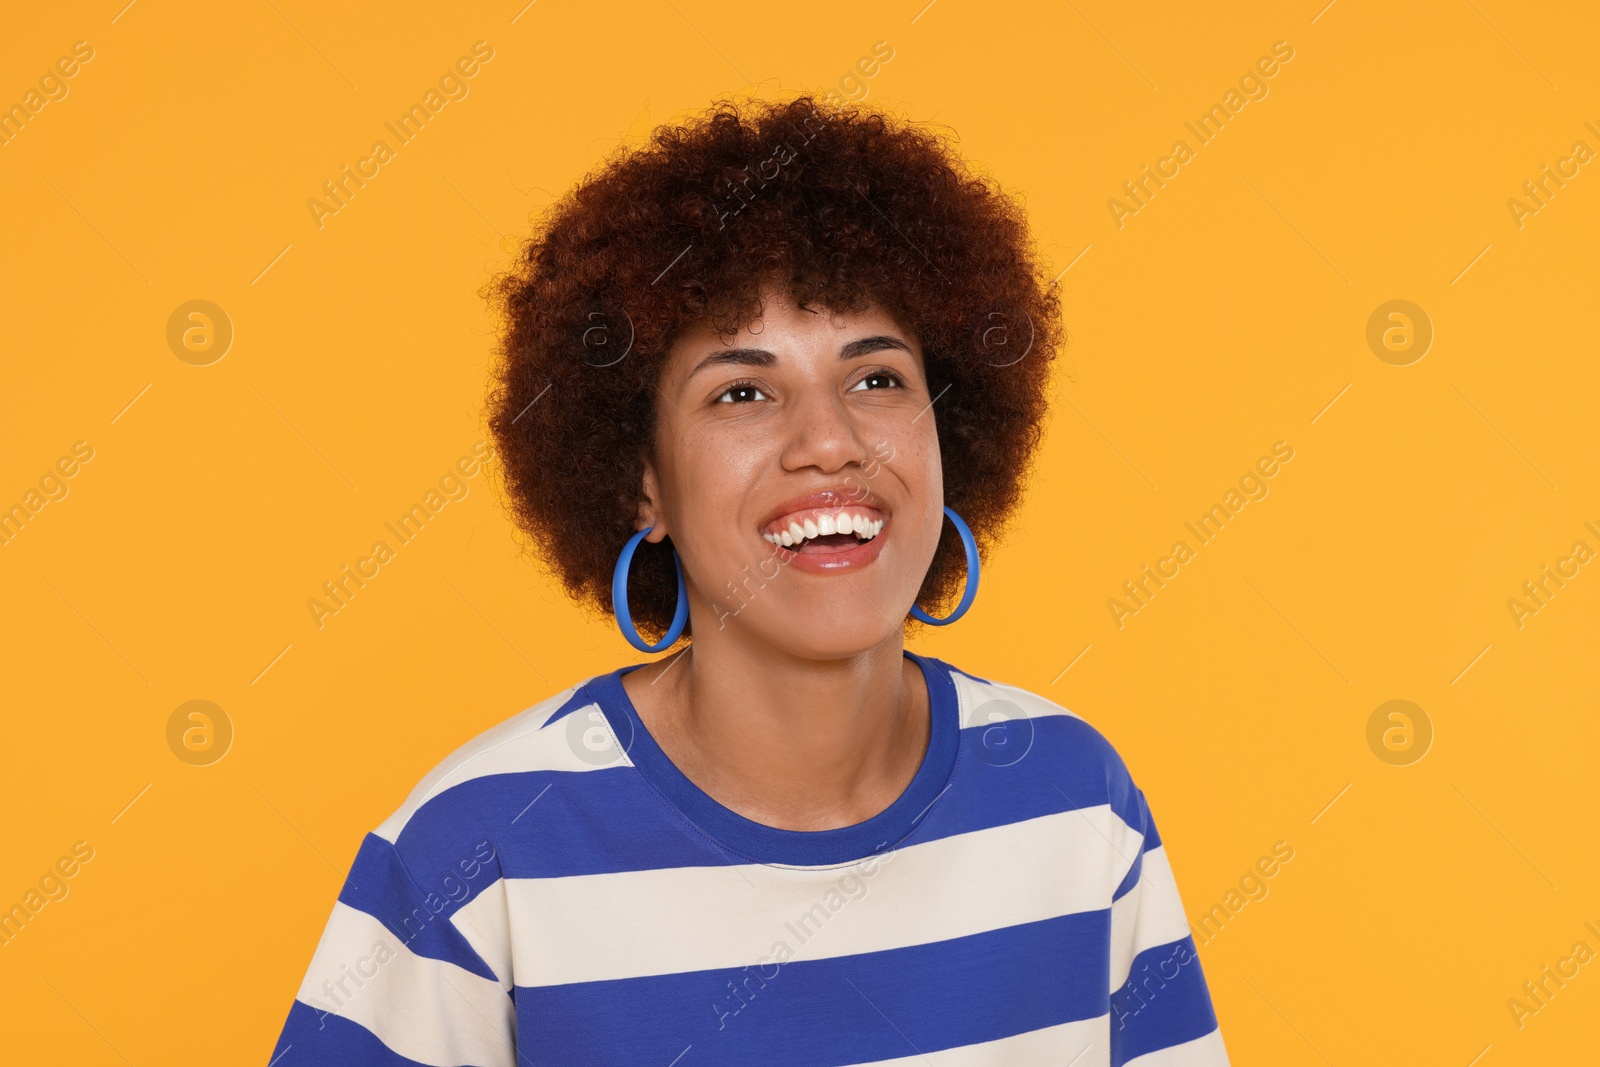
x,y
557,893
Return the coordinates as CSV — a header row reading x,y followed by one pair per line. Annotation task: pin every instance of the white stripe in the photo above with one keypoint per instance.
x,y
424,1009
518,744
1148,915
1083,1043
1207,1051
485,923
974,694
584,928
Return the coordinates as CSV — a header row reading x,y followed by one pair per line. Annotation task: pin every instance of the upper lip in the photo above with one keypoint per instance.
x,y
833,497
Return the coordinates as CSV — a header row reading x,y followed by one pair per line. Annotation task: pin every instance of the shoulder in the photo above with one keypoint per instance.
x,y
996,716
533,740
985,701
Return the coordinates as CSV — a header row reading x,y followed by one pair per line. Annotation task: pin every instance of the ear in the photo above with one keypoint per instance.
x,y
650,513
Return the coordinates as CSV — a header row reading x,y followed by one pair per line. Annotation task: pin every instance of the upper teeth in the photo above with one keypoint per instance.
x,y
842,523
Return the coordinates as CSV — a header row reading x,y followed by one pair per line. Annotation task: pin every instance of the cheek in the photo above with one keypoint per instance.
x,y
920,465
707,482
697,472
916,466
706,500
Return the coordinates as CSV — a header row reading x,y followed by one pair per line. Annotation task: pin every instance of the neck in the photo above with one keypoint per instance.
x,y
788,741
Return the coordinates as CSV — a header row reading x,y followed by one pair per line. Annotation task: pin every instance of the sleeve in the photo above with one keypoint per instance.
x,y
1161,1013
394,982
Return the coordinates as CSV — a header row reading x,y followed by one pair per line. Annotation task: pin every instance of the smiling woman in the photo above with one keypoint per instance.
x,y
784,403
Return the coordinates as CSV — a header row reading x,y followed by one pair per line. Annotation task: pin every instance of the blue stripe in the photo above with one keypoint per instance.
x,y
380,885
551,824
314,1039
1152,836
1064,764
1142,823
819,1013
1131,879
1163,1003
570,827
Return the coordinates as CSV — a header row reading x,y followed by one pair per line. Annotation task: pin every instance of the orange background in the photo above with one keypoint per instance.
x,y
1229,313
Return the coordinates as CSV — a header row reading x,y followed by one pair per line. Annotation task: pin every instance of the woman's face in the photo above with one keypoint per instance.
x,y
802,420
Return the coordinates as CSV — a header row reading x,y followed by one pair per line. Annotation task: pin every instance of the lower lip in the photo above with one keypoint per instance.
x,y
848,559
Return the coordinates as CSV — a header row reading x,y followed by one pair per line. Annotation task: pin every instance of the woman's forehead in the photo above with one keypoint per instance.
x,y
779,315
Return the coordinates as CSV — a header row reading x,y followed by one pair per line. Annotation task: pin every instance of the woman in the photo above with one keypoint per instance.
x,y
771,382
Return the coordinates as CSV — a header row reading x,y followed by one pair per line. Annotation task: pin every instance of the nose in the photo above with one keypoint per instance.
x,y
823,433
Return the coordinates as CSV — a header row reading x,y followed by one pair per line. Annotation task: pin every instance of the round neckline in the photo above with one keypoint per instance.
x,y
772,844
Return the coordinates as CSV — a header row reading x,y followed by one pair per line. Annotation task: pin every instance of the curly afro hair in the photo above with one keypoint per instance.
x,y
840,206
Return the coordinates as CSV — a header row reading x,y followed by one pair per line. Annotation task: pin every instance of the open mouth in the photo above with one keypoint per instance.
x,y
824,530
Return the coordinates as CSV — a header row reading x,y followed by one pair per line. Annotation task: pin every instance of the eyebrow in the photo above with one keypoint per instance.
x,y
760,357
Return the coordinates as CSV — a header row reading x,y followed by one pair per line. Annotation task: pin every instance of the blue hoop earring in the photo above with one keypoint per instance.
x,y
971,592
619,599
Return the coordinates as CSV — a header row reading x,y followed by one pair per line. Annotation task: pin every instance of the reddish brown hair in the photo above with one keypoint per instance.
x,y
840,206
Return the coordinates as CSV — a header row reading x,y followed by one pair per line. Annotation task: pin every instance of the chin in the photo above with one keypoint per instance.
x,y
836,624
849,631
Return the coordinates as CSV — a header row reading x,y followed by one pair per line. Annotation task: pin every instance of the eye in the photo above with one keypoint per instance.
x,y
741,393
883,378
